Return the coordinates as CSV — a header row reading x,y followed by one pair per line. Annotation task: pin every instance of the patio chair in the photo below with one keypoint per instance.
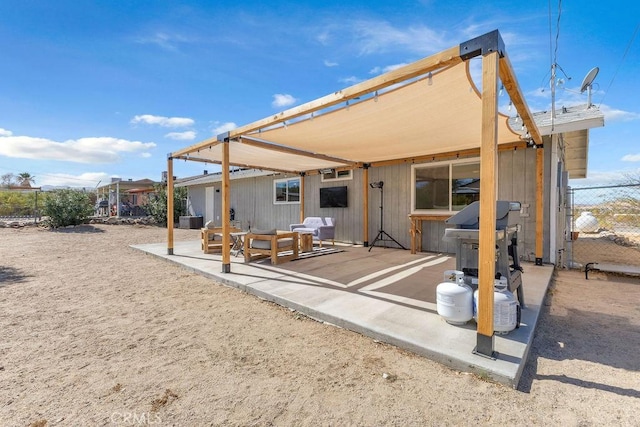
x,y
270,243
211,238
321,228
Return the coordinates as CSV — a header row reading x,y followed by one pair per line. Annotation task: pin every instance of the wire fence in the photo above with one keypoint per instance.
x,y
21,206
605,225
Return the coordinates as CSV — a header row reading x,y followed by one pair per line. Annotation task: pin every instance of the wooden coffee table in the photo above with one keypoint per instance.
x,y
306,242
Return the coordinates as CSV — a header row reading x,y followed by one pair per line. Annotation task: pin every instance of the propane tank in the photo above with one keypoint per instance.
x,y
587,223
505,308
454,300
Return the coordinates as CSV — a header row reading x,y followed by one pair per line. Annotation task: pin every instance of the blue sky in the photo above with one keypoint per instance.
x,y
91,90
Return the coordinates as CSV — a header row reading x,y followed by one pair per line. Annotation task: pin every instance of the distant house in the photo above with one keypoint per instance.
x,y
124,197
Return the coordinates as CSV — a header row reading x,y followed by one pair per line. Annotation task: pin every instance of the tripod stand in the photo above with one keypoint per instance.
x,y
381,233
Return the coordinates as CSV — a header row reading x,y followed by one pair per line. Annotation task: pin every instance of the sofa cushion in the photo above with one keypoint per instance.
x,y
313,231
266,244
315,222
267,231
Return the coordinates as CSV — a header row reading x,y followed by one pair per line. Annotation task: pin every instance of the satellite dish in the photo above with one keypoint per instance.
x,y
588,79
587,82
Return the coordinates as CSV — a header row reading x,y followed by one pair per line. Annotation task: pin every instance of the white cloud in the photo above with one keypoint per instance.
x,y
282,100
145,155
328,63
382,70
350,80
87,179
166,122
324,38
615,115
83,150
4,132
602,178
631,158
223,127
181,136
380,36
164,40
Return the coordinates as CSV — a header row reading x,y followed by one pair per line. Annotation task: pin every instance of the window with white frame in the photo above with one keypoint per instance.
x,y
336,175
286,190
445,186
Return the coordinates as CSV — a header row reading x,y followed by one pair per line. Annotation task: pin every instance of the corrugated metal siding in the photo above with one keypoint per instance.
x,y
517,182
252,200
397,203
349,219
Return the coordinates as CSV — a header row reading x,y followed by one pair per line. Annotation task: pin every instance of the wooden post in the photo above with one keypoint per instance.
x,y
226,204
488,193
302,175
170,206
365,205
539,204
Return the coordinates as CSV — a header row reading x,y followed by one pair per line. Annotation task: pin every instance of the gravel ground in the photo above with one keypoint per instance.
x,y
96,333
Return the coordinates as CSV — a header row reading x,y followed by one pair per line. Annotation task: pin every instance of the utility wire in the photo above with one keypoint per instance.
x,y
553,53
624,56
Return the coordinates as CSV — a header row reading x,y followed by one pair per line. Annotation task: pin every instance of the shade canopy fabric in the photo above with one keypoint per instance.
x,y
427,116
250,156
404,116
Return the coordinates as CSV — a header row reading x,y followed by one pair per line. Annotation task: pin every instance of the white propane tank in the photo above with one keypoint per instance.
x,y
587,223
505,308
454,302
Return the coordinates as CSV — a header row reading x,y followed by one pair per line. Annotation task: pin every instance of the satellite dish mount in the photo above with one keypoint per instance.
x,y
587,84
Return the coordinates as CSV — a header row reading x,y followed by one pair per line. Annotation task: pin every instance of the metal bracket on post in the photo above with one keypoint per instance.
x,y
226,268
484,347
482,45
223,137
538,261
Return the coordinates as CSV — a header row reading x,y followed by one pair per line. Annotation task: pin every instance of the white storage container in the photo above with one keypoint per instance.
x,y
454,302
587,223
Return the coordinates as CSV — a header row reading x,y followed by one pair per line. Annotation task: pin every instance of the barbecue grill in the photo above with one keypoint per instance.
x,y
466,236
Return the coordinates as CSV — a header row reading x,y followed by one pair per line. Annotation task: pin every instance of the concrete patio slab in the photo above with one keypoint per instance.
x,y
386,294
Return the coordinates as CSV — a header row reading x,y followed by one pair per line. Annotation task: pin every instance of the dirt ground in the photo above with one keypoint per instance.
x,y
600,247
96,333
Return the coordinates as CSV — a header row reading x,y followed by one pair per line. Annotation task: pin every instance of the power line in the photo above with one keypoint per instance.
x,y
624,56
553,53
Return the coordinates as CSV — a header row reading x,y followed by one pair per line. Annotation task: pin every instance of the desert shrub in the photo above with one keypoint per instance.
x,y
67,207
16,203
156,205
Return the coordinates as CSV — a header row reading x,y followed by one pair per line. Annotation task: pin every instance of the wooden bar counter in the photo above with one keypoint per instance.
x,y
416,228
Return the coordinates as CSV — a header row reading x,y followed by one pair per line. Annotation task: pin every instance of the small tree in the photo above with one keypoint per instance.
x,y
25,179
67,207
8,179
157,204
